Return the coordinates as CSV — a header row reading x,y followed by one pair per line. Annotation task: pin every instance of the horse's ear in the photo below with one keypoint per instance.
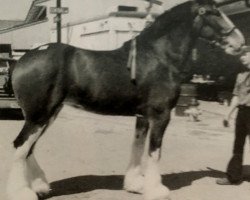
x,y
205,2
200,5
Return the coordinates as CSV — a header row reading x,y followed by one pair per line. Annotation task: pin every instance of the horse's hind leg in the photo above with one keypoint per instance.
x,y
18,186
154,189
134,179
26,177
38,181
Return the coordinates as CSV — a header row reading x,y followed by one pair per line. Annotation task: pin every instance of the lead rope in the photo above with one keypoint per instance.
x,y
131,65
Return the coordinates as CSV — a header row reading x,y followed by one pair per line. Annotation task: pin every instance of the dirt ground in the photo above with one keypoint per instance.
x,y
85,156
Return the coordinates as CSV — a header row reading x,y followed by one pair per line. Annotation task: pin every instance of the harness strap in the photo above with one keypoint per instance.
x,y
131,64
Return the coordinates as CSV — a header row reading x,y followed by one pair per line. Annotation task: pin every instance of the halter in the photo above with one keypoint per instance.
x,y
199,24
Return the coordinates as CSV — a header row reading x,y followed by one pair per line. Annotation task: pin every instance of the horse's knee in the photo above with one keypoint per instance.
x,y
24,151
26,139
142,126
155,142
23,135
142,123
158,127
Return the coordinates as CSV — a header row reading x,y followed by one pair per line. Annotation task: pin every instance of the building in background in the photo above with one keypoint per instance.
x,y
95,24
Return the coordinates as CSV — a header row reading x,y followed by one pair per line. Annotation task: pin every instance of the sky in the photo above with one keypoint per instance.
x,y
17,9
14,9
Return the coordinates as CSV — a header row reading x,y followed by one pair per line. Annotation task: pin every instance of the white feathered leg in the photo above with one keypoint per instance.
x,y
134,179
38,181
19,184
154,189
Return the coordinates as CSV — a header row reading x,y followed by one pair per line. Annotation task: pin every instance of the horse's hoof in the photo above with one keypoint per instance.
x,y
40,186
134,180
134,184
159,193
24,194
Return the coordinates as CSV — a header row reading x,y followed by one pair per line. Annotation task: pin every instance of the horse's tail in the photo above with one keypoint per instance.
x,y
249,141
8,85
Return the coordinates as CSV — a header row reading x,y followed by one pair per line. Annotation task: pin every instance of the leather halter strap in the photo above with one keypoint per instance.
x,y
131,64
199,23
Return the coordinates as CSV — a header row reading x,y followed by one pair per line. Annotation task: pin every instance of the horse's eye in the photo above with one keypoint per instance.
x,y
202,11
216,12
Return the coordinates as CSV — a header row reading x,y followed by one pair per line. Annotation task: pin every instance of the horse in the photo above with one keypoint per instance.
x,y
52,75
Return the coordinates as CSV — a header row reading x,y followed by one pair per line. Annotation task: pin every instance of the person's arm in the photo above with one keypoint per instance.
x,y
232,108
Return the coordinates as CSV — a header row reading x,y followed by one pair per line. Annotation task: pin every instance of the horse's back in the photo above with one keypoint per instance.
x,y
101,82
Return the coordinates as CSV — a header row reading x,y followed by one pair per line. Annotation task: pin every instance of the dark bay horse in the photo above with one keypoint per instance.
x,y
99,81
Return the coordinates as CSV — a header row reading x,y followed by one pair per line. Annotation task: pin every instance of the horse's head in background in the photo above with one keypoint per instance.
x,y
213,25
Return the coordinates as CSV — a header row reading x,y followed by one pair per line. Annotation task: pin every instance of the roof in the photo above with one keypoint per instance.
x,y
234,7
37,13
40,1
5,24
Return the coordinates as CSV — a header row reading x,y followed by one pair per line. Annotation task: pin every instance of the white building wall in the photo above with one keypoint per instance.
x,y
102,34
81,10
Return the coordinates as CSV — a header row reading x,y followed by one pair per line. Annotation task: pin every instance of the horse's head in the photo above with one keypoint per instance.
x,y
213,25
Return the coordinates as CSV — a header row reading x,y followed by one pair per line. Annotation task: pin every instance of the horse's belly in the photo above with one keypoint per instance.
x,y
106,107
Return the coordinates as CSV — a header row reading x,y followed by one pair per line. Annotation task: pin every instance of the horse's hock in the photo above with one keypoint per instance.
x,y
187,94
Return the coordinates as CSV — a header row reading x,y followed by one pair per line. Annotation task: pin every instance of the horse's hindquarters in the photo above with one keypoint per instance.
x,y
38,86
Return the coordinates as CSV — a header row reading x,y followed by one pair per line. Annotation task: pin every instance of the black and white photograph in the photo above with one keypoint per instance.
x,y
124,99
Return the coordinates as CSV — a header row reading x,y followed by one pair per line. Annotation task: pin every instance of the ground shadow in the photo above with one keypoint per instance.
x,y
246,173
81,184
11,114
176,181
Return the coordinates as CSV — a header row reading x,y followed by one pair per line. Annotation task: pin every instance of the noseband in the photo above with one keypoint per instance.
x,y
200,21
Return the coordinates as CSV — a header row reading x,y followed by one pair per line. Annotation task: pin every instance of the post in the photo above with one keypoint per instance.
x,y
58,23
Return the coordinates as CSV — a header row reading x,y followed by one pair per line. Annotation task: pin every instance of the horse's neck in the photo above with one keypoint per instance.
x,y
174,47
168,21
170,35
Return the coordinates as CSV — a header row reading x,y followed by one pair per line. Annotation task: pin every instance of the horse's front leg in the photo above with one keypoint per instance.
x,y
134,178
153,188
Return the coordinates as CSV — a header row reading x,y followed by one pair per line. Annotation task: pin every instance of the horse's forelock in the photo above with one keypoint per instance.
x,y
205,2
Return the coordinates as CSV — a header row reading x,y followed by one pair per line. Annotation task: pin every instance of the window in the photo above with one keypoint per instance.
x,y
127,8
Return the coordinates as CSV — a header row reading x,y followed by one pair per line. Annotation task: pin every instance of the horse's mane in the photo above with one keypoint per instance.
x,y
166,21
